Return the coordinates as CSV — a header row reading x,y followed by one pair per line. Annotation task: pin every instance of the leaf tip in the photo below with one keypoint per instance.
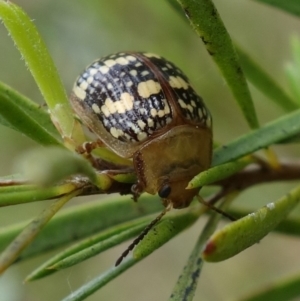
x,y
209,249
190,186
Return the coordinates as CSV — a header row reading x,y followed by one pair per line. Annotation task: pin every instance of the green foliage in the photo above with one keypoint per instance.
x,y
291,6
57,171
25,116
187,282
37,58
293,69
207,23
286,289
250,229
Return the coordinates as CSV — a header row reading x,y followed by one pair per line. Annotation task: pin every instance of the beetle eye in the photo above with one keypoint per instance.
x,y
165,191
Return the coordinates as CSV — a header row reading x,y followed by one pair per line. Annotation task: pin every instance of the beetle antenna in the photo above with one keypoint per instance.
x,y
212,207
143,234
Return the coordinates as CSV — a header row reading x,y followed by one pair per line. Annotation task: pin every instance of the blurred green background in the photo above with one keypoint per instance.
x,y
78,32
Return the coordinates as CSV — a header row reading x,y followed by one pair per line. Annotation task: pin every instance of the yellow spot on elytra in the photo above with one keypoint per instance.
x,y
178,82
122,61
96,108
147,88
84,85
127,100
183,83
150,122
148,54
144,73
166,106
90,79
153,112
81,94
141,124
110,63
103,69
120,108
105,110
190,108
109,86
93,71
141,136
161,113
130,58
133,72
110,106
182,103
114,132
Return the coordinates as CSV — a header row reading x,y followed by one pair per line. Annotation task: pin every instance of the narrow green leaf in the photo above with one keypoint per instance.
x,y
164,231
11,179
219,172
282,290
289,226
265,83
295,139
115,236
293,68
293,76
187,282
168,228
91,287
290,6
273,132
99,247
26,117
89,247
31,108
21,194
13,250
108,155
39,62
207,23
80,221
50,165
240,235
6,123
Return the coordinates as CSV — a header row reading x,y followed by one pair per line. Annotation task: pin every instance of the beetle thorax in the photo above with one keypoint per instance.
x,y
173,159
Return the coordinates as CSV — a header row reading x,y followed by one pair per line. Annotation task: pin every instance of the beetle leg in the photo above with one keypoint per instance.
x,y
89,146
137,189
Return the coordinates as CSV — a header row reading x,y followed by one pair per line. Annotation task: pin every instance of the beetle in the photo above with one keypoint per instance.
x,y
142,107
